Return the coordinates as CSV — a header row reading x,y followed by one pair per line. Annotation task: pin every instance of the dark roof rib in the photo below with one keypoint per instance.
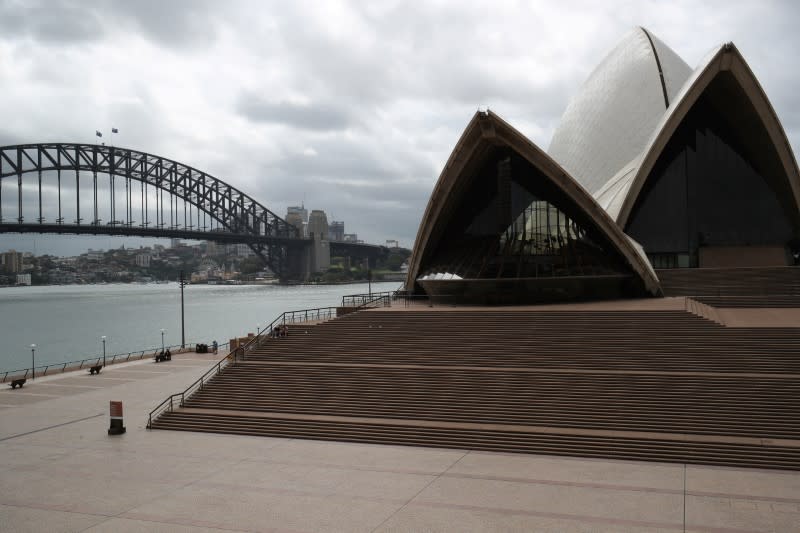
x,y
660,70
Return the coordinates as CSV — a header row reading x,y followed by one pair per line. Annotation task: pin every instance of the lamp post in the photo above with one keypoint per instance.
x,y
162,340
33,361
103,338
183,283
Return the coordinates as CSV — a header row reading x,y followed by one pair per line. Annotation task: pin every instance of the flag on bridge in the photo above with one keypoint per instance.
x,y
97,133
114,130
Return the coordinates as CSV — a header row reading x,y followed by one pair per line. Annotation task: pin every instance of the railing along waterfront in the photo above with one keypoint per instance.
x,y
240,352
69,366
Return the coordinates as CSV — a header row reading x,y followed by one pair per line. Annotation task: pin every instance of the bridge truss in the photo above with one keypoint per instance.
x,y
197,205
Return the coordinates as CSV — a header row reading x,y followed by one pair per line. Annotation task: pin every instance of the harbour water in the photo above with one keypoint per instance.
x,y
67,322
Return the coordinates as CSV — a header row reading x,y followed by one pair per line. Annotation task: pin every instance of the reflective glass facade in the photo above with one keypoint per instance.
x,y
719,182
510,221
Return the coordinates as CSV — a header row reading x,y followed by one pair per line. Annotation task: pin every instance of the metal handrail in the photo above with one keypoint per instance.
x,y
384,300
358,299
191,389
122,357
241,352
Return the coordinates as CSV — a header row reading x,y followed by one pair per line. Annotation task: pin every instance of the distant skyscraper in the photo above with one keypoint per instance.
x,y
296,220
336,231
300,210
320,250
318,225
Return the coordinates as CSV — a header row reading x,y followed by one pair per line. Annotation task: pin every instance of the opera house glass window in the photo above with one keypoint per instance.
x,y
718,183
512,222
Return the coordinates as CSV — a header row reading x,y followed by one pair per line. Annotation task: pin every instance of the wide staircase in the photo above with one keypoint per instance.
x,y
652,385
763,286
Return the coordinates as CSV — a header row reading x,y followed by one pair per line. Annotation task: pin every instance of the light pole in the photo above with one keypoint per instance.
x,y
183,330
33,361
162,340
103,338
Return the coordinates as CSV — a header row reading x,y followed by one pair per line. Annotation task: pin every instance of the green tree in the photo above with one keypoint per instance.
x,y
394,261
251,265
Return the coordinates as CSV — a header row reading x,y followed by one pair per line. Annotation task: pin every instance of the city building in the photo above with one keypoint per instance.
x,y
351,237
24,279
11,262
296,220
320,259
292,212
336,231
239,250
391,243
298,210
143,260
95,255
653,165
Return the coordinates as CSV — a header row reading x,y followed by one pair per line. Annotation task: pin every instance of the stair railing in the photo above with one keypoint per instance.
x,y
356,300
180,397
241,352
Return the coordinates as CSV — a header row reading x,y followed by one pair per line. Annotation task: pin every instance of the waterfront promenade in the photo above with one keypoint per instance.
x,y
62,472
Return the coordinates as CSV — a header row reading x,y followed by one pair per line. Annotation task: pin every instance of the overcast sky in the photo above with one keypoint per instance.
x,y
351,107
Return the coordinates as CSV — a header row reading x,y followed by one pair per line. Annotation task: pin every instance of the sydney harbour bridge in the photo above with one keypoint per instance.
x,y
94,189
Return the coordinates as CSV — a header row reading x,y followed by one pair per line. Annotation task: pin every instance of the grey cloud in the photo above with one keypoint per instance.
x,y
173,23
177,23
386,88
58,22
322,117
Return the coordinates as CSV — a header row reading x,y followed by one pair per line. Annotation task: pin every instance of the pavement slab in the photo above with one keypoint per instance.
x,y
61,471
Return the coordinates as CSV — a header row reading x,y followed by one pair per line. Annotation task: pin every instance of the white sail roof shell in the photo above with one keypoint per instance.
x,y
610,120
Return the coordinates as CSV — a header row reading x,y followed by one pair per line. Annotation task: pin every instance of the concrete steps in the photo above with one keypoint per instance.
x,y
552,443
753,281
772,301
658,385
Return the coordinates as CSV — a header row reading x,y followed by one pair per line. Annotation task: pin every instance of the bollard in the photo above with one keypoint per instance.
x,y
116,427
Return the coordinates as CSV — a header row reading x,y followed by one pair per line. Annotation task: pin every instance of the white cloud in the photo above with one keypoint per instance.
x,y
353,106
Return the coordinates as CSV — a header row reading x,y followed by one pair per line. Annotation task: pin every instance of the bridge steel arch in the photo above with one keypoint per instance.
x,y
240,218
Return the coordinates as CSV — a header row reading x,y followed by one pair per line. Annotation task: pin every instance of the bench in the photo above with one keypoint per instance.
x,y
18,383
95,369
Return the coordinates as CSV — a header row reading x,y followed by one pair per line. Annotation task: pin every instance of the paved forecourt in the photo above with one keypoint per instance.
x,y
62,472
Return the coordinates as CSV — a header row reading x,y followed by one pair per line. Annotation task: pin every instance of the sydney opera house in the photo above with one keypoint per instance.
x,y
660,180
655,168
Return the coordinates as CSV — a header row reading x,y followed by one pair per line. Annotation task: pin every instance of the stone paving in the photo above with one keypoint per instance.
x,y
60,471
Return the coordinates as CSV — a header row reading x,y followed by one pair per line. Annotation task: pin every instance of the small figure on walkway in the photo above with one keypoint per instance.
x,y
168,355
215,346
